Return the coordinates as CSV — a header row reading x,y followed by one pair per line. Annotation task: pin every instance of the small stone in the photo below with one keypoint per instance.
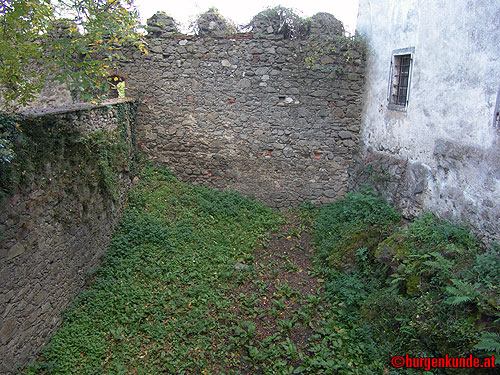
x,y
330,193
156,49
244,83
40,297
261,71
353,77
326,60
338,113
320,93
226,63
348,143
345,134
419,187
183,42
7,330
288,151
278,146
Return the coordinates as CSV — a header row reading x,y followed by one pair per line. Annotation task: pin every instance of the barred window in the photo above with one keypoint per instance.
x,y
400,77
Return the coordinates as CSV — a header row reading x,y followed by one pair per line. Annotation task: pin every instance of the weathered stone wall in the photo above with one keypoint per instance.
x,y
56,225
400,181
270,117
453,182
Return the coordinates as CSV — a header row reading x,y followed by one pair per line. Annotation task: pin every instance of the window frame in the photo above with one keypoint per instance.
x,y
392,87
496,112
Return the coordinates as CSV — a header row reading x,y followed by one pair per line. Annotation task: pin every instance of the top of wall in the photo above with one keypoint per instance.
x,y
276,23
74,107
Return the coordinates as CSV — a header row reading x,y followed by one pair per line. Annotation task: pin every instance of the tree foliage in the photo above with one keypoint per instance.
x,y
72,41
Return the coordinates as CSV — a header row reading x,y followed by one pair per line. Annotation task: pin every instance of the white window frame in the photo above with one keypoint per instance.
x,y
496,112
392,86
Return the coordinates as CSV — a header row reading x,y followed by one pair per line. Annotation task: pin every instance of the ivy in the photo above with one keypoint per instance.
x,y
48,150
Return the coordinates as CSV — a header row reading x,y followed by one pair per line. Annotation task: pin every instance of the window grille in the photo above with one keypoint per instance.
x,y
402,78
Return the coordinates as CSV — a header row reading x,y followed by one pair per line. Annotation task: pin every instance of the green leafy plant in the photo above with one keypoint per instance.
x,y
37,45
356,212
425,288
152,305
486,266
460,292
489,342
286,22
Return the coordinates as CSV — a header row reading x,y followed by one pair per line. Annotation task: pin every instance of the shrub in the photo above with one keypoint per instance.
x,y
428,288
353,214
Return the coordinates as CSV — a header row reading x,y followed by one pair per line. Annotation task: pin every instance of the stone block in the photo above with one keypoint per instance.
x,y
345,135
15,251
7,330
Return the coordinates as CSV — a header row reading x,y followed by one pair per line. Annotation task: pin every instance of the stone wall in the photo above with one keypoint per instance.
x,y
267,116
56,223
406,184
400,181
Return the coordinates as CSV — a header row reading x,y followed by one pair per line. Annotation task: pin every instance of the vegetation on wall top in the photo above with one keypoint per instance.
x,y
73,41
52,152
281,20
212,23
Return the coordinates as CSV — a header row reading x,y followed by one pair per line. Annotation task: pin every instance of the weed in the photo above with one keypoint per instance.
x,y
164,299
425,290
159,301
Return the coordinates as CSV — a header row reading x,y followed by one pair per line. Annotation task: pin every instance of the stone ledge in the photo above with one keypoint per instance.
x,y
72,108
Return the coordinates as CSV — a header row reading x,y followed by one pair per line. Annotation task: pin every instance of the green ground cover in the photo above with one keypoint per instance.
x,y
426,288
197,281
158,304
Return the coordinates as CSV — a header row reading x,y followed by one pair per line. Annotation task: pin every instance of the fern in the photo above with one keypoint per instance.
x,y
440,263
461,292
458,300
489,342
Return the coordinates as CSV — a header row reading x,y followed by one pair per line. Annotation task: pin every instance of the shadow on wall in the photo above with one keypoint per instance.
x,y
463,187
401,182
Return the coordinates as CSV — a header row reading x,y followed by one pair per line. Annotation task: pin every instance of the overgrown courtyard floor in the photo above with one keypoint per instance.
x,y
197,281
